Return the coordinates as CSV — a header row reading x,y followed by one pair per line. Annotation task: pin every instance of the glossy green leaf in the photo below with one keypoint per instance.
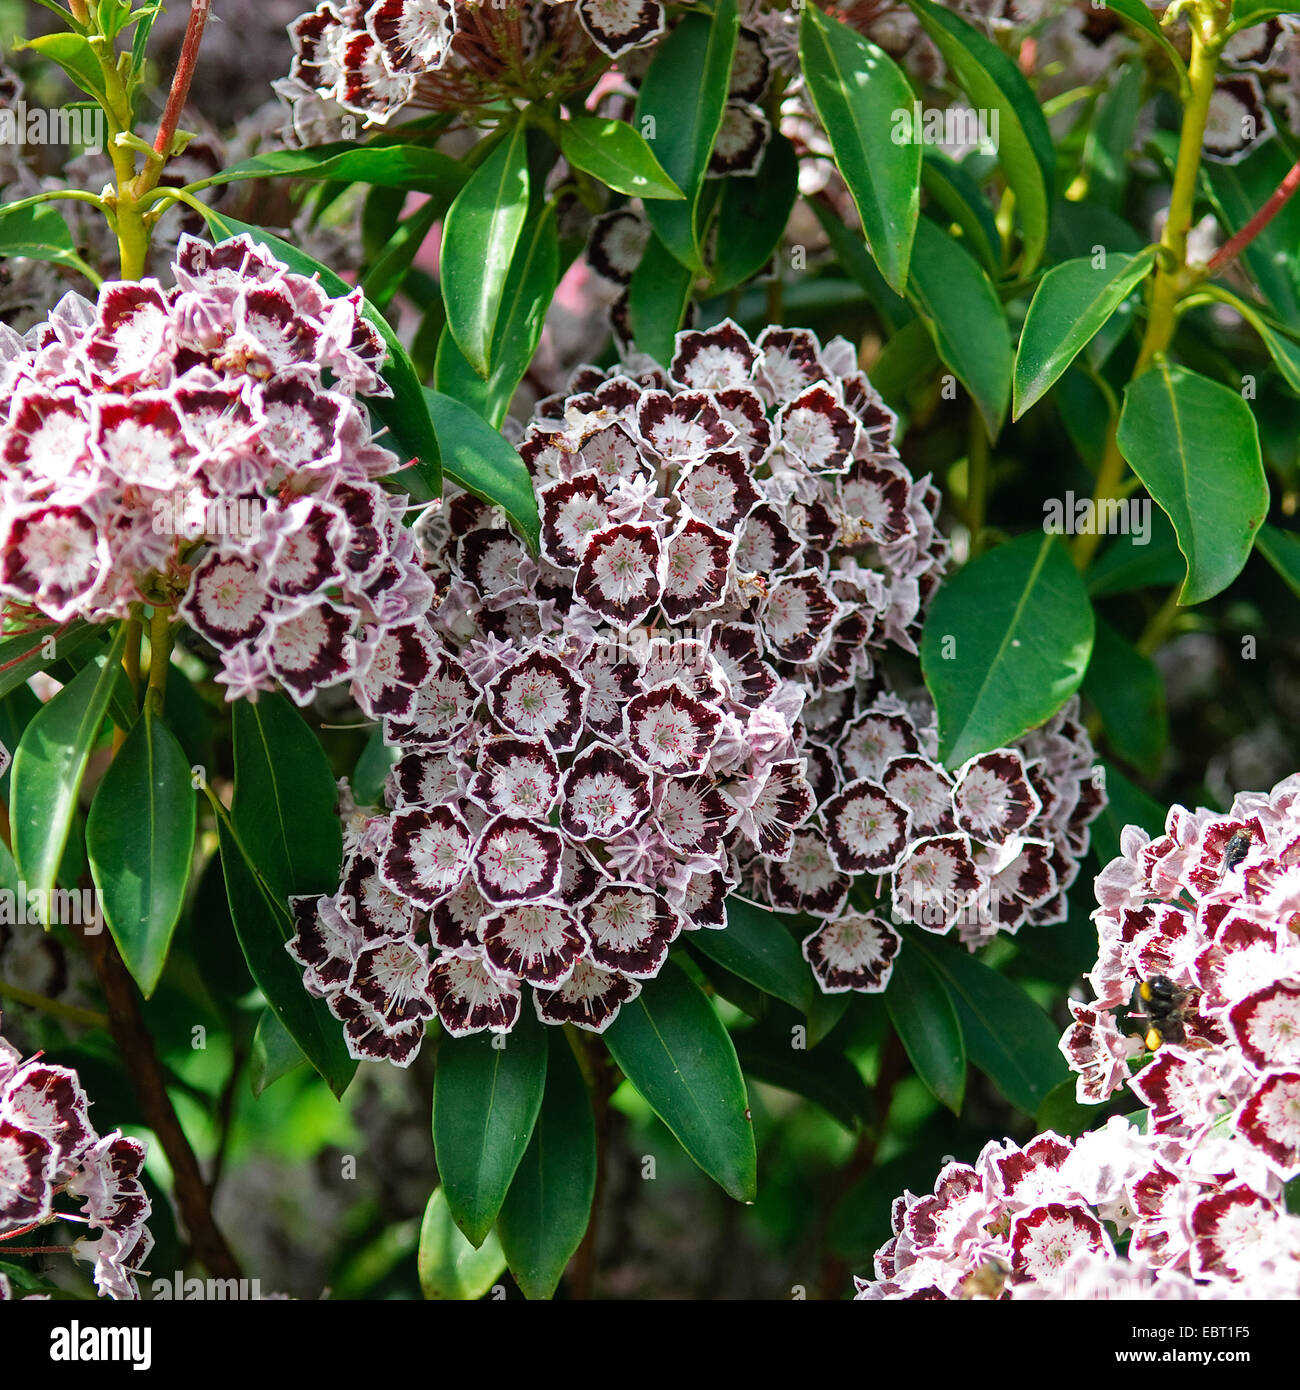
x,y
826,1078
1282,550
73,53
753,213
546,1211
966,319
1072,303
1129,694
372,768
927,1025
1008,1037
273,1054
486,1098
758,947
450,1268
413,168
23,654
675,1051
908,360
953,189
386,276
1110,138
284,808
657,299
49,764
1145,558
528,292
1006,643
1195,446
994,83
484,462
39,233
139,841
615,153
410,430
1061,1112
478,244
679,111
263,926
855,259
865,104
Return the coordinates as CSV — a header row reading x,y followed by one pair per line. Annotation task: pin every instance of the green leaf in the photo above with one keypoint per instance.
x,y
966,319
657,299
39,233
23,654
675,1051
1110,136
372,768
614,153
1070,306
1129,693
824,1077
485,463
860,95
1008,1037
953,189
404,413
73,53
1138,561
478,244
413,168
824,1013
679,110
49,764
386,276
1282,550
753,213
1195,446
1138,13
1126,804
1006,643
927,1025
909,358
486,1097
895,313
1062,1114
757,946
528,292
274,1053
284,809
450,1268
546,1211
263,926
139,841
994,83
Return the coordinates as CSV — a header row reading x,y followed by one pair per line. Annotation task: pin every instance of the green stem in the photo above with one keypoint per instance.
x,y
1156,633
70,1013
160,651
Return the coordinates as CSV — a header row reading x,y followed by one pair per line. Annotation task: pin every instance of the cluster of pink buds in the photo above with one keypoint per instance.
x,y
611,723
202,446
49,1150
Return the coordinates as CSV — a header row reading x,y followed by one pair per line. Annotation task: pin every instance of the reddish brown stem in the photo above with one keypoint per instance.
x,y
180,91
136,1045
1233,248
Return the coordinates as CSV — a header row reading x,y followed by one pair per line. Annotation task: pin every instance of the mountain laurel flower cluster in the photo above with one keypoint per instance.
x,y
610,725
987,848
48,1150
182,446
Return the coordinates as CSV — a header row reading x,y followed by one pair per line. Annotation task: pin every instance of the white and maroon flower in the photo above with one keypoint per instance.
x,y
539,698
1270,1120
854,952
590,998
516,777
818,431
992,799
443,707
693,814
517,860
935,881
808,881
777,803
798,615
605,793
866,829
536,942
620,575
696,571
671,733
1044,1239
1266,1025
715,359
572,510
469,998
630,929
428,853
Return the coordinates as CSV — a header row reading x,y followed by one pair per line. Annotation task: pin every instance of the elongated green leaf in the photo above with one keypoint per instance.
x,y
675,1051
957,193
404,413
23,654
1061,1112
1008,1037
753,213
50,762
614,153
450,1268
73,53
926,1022
529,289
486,1097
263,926
414,168
856,261
1110,136
1129,693
1146,558
657,299
1070,306
39,233
866,106
274,1053
546,1211
824,1077
478,244
994,83
1282,550
1006,643
757,946
485,463
909,358
139,841
679,111
383,280
1195,446
284,807
965,317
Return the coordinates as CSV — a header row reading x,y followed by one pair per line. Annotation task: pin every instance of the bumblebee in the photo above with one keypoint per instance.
x,y
1159,1003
